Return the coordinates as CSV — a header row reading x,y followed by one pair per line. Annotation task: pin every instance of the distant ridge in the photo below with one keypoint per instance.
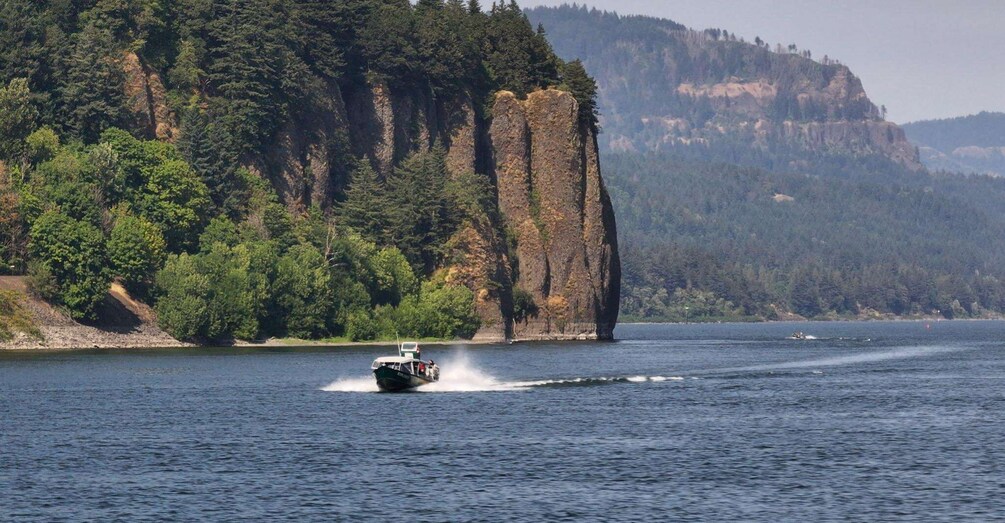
x,y
706,93
973,144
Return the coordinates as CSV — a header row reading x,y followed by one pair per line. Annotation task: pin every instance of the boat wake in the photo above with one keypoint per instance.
x,y
838,361
460,375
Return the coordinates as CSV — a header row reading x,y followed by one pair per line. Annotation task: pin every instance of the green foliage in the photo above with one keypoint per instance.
x,y
304,292
420,217
440,311
894,245
219,230
255,67
208,147
136,249
518,58
72,253
186,73
393,277
182,306
93,88
366,203
361,326
41,145
524,306
212,295
175,199
18,118
584,90
14,318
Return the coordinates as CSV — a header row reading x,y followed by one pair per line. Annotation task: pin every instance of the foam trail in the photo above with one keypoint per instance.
x,y
458,374
851,359
367,384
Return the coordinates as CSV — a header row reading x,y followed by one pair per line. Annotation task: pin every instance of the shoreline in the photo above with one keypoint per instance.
x,y
143,341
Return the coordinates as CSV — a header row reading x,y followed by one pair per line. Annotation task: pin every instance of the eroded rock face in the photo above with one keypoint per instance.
x,y
550,192
147,97
744,108
300,160
553,200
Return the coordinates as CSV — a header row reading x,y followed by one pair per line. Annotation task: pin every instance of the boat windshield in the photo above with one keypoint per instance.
x,y
402,366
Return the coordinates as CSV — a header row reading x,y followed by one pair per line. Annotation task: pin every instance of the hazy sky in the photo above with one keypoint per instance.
x,y
921,58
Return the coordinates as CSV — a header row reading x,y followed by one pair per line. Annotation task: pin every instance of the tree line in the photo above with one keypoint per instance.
x,y
89,198
718,241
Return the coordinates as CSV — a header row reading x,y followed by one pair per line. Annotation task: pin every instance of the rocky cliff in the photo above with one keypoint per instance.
x,y
554,202
551,195
663,86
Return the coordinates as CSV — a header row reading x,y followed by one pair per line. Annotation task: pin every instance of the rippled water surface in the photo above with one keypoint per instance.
x,y
870,421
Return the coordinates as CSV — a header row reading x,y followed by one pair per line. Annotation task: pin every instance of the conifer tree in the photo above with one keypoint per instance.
x,y
583,89
92,91
208,149
366,204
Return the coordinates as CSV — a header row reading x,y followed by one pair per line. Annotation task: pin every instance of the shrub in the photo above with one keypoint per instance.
x,y
72,253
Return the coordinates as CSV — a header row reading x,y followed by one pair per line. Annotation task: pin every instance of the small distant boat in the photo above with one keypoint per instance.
x,y
405,371
799,335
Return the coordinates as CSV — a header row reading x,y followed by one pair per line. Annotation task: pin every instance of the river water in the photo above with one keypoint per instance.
x,y
869,422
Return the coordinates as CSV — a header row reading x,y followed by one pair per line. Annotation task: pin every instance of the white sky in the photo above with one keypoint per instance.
x,y
923,59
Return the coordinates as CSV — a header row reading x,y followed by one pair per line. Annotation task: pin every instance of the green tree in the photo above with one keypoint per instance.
x,y
181,306
303,292
420,217
92,91
208,147
394,278
73,254
366,203
136,250
584,90
18,119
176,200
254,67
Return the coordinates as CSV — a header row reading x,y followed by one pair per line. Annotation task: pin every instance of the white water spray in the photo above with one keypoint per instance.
x,y
459,374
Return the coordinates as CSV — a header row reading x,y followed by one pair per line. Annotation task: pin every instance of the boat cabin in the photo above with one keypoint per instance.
x,y
410,365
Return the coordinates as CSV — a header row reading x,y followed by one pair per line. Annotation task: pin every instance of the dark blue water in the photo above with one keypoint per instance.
x,y
872,421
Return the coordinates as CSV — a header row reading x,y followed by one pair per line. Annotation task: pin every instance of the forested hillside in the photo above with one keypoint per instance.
x,y
729,242
279,167
755,180
972,144
708,93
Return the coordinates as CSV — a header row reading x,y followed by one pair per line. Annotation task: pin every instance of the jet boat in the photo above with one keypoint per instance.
x,y
405,371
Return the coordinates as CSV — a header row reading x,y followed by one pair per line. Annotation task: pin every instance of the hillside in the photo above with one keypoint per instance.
x,y
300,168
732,242
972,144
752,182
664,87
123,322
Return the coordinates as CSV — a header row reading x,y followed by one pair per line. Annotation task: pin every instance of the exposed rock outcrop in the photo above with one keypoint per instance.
x,y
302,158
550,192
147,100
662,86
554,202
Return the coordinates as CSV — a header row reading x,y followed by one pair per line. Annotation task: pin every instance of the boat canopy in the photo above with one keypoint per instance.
x,y
409,349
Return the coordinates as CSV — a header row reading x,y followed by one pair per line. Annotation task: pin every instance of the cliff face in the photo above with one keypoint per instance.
x,y
554,202
550,194
147,100
662,86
